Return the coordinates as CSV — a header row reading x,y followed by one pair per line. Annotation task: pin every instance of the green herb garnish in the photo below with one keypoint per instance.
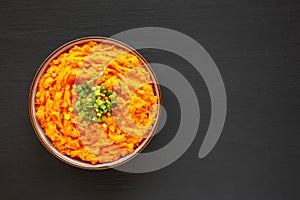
x,y
94,102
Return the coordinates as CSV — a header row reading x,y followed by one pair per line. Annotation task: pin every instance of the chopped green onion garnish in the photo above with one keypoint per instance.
x,y
103,85
94,102
89,82
98,102
78,88
67,116
82,94
85,85
102,106
102,94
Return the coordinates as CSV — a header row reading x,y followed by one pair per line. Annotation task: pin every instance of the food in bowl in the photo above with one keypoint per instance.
x,y
97,101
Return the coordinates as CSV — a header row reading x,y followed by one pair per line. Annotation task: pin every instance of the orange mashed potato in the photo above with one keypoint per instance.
x,y
113,138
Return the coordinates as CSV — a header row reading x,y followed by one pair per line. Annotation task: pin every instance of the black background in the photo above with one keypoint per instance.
x,y
255,45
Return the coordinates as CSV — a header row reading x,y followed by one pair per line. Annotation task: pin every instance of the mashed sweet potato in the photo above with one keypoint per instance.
x,y
119,134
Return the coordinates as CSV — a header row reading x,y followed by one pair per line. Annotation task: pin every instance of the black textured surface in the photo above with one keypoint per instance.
x,y
254,43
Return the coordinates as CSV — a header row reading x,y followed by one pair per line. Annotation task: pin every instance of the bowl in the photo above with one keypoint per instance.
x,y
47,143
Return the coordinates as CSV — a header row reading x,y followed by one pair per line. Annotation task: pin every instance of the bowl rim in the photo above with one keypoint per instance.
x,y
47,143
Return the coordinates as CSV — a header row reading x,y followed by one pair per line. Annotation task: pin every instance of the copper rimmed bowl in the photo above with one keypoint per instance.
x,y
48,143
